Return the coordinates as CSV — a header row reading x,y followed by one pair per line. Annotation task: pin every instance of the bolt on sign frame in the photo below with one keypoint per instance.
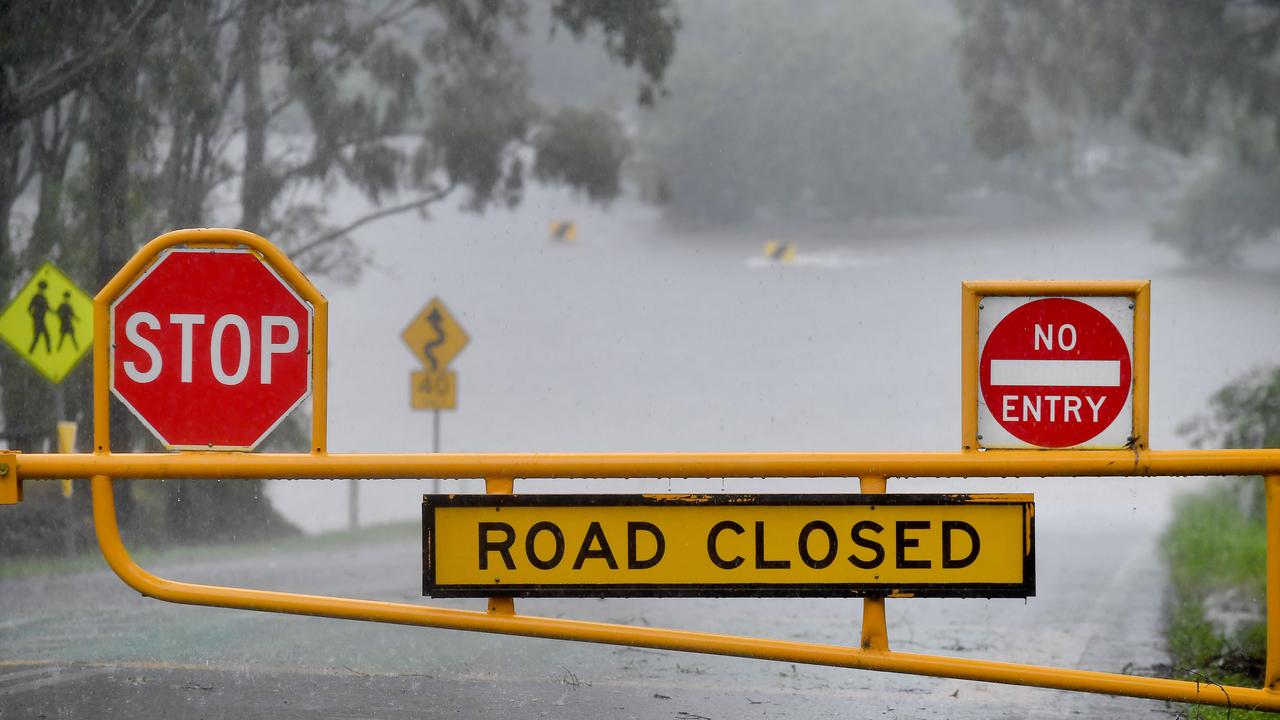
x,y
501,470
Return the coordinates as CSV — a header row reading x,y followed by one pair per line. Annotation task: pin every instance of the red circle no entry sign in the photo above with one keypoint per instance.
x,y
1055,372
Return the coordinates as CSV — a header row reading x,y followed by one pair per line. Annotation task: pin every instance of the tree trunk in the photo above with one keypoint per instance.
x,y
17,379
111,136
255,192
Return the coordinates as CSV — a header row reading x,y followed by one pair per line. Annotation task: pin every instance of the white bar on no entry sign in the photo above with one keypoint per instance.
x,y
1069,373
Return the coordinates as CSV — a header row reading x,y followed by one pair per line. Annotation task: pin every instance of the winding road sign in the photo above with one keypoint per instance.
x,y
1055,372
49,323
434,336
210,348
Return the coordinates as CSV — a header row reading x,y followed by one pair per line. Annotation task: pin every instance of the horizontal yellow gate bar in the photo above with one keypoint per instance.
x,y
1003,463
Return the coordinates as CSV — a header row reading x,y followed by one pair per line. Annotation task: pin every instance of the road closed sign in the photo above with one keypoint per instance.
x,y
1057,371
728,545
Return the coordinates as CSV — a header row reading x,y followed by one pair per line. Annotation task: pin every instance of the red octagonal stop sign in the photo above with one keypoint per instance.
x,y
210,348
1055,372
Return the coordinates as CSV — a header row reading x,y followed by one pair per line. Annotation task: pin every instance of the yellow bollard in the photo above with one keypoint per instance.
x,y
66,444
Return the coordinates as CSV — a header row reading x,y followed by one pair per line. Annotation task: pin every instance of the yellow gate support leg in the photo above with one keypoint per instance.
x,y
501,605
1272,678
875,631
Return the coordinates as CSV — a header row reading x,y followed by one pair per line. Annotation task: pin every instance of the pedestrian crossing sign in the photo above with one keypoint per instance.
x,y
49,323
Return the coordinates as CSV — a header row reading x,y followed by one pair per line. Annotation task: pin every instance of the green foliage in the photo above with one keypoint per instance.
x,y
133,117
1224,211
485,110
634,32
1215,550
1193,641
839,111
1186,77
582,149
1212,545
1167,71
843,111
1244,413
1216,546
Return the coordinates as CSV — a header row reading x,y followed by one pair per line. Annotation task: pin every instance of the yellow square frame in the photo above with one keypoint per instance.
x,y
972,293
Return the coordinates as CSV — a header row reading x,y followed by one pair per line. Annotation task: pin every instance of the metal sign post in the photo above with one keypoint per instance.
x,y
435,337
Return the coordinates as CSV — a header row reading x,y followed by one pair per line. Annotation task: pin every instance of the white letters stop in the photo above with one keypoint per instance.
x,y
231,325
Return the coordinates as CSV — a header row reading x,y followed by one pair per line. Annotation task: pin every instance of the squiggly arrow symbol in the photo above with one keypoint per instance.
x,y
436,321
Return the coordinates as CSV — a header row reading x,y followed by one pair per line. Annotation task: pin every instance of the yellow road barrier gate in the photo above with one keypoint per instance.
x,y
902,545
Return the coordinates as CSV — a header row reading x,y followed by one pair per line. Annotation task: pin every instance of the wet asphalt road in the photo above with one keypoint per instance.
x,y
85,646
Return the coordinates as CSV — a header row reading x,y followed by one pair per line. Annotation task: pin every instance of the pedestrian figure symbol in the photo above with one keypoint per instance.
x,y
66,316
37,309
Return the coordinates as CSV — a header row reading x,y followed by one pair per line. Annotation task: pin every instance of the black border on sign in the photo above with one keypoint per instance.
x,y
1024,589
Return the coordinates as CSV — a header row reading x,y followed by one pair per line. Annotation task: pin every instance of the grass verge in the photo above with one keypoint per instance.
x,y
1217,556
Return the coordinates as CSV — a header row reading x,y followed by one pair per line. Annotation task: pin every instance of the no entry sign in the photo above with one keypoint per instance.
x,y
210,348
1055,372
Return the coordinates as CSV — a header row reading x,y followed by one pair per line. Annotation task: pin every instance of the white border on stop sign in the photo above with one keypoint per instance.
x,y
1117,309
111,354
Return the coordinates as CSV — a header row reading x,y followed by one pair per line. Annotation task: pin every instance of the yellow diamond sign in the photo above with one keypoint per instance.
x,y
435,336
49,323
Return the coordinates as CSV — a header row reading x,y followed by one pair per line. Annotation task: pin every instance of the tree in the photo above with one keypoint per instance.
x,y
183,108
1186,77
837,112
1244,413
845,111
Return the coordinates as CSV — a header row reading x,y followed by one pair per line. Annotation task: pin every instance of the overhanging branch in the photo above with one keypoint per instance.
x,y
338,233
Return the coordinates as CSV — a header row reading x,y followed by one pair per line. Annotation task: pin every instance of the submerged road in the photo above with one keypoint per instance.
x,y
85,646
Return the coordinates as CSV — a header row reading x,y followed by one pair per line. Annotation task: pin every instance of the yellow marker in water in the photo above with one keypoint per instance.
x,y
780,251
563,230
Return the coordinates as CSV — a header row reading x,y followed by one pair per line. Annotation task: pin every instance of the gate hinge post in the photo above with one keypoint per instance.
x,y
10,483
1271,670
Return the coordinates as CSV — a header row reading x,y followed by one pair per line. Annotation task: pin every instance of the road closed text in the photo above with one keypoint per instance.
x,y
728,545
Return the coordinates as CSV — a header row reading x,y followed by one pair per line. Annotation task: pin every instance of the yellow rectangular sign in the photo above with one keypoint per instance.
x,y
433,390
728,545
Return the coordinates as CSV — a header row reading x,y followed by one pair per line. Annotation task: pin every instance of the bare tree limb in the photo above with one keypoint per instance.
x,y
338,233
